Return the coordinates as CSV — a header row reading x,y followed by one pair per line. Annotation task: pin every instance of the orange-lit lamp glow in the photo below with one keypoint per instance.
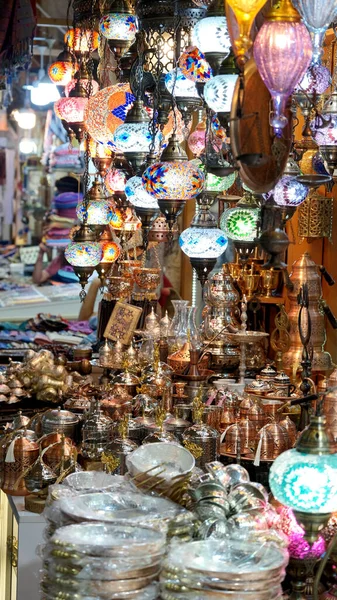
x,y
245,12
81,41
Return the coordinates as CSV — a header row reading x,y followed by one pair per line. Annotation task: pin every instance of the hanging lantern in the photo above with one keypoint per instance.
x,y
315,82
83,254
317,15
194,65
115,181
219,91
197,140
304,478
95,209
203,242
288,192
81,42
245,12
62,70
71,109
211,36
107,110
119,27
281,37
240,224
111,251
185,93
101,157
133,138
146,206
173,181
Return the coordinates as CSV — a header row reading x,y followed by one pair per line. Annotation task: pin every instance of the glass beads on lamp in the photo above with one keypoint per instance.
x,y
240,223
110,252
306,483
114,181
107,110
219,92
288,192
198,242
83,254
315,80
197,140
71,109
80,41
98,212
194,65
138,196
134,137
211,35
179,86
173,180
61,72
118,26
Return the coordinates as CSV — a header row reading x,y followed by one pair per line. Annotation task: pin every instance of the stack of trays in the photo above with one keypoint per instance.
x,y
223,570
108,562
131,508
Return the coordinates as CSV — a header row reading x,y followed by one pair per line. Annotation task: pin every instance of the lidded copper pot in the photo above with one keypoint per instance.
x,y
21,454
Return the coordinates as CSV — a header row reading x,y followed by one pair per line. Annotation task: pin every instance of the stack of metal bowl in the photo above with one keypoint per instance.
x,y
109,562
225,570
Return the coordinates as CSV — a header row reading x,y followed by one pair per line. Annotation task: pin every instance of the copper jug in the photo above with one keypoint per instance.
x,y
305,270
60,449
21,454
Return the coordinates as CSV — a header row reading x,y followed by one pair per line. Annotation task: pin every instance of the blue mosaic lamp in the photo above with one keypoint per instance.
x,y
203,242
305,478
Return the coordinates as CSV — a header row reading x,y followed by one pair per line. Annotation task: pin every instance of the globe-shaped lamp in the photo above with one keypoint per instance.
x,y
219,91
179,86
194,65
288,192
106,110
240,223
305,479
197,140
281,37
173,180
115,181
98,212
62,70
138,196
118,26
211,36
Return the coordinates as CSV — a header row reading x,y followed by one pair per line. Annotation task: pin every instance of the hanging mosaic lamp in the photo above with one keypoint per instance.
x,y
62,70
115,181
83,254
315,82
245,12
240,223
317,15
173,180
133,138
101,157
71,109
197,140
107,110
281,37
194,65
305,478
111,251
95,209
118,26
211,36
203,242
81,42
219,91
146,206
184,92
